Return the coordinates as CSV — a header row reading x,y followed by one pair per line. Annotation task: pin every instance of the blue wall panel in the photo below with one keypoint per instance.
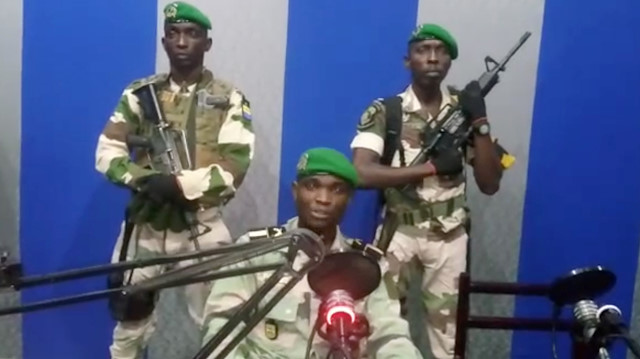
x,y
582,204
78,56
341,55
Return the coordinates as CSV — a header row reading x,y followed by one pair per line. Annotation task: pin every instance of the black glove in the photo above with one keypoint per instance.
x,y
162,188
448,162
160,215
472,102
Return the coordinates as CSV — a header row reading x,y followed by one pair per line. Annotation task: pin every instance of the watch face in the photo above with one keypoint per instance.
x,y
484,129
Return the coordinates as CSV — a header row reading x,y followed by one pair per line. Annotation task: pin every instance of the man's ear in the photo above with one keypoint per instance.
x,y
209,43
405,61
294,190
352,193
164,43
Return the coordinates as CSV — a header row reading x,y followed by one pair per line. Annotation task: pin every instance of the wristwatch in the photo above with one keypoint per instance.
x,y
482,129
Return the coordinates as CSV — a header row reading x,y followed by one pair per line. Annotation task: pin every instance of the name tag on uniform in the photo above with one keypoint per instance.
x,y
270,329
208,100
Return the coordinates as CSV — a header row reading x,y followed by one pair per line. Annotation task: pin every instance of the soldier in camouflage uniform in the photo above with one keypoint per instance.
x,y
432,227
217,121
325,183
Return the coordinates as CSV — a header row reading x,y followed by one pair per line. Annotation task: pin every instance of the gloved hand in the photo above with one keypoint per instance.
x,y
160,216
472,102
447,163
162,188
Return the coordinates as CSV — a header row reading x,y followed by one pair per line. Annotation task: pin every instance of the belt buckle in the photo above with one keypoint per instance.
x,y
426,213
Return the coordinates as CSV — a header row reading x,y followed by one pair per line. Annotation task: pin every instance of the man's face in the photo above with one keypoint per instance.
x,y
429,62
185,44
321,200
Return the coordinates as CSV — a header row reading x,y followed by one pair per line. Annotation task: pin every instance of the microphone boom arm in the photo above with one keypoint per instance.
x,y
252,303
11,276
18,282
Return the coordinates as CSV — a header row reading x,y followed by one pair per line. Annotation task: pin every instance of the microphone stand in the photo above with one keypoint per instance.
x,y
11,274
344,337
297,240
598,325
632,345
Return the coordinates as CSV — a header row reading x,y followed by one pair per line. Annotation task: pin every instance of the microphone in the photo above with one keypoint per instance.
x,y
611,316
578,288
611,321
344,328
340,310
586,313
344,277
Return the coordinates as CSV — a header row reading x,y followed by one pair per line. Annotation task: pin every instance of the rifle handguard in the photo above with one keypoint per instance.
x,y
135,141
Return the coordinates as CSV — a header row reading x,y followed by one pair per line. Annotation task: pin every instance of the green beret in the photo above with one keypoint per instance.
x,y
322,160
179,11
433,31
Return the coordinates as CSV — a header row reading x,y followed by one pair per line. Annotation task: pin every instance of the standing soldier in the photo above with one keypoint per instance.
x,y
430,224
215,120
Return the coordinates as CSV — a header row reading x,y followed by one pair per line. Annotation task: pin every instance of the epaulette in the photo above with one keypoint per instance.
x,y
223,85
156,78
367,248
453,92
266,232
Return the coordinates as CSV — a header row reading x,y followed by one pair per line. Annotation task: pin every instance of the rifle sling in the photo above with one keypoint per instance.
x,y
191,128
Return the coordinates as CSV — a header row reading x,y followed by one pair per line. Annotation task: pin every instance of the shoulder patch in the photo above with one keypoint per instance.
x,y
246,109
267,232
367,118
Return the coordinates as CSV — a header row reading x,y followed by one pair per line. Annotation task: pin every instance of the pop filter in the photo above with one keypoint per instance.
x,y
350,270
581,283
343,277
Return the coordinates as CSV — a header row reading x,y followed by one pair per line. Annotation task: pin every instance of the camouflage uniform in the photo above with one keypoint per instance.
x,y
295,315
436,233
224,143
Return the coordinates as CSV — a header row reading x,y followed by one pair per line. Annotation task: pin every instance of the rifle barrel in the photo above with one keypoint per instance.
x,y
515,49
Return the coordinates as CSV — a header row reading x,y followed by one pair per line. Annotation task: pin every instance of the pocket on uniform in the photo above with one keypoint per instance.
x,y
286,310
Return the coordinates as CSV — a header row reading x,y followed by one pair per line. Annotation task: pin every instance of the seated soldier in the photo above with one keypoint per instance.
x,y
326,180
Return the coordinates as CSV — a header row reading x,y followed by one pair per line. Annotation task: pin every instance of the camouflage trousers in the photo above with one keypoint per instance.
x,y
130,338
441,257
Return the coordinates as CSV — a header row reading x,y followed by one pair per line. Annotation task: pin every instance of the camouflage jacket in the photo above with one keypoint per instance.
x,y
292,319
371,132
224,138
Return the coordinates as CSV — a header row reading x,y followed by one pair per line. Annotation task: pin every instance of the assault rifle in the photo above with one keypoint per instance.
x,y
167,146
454,130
